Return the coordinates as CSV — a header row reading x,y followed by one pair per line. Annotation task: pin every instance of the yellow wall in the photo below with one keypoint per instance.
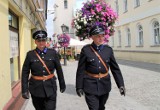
x,y
5,79
26,43
25,39
138,56
144,15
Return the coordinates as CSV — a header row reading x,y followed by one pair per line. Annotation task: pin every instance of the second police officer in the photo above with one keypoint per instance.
x,y
92,76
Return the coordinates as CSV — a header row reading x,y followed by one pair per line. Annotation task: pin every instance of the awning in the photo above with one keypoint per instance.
x,y
75,42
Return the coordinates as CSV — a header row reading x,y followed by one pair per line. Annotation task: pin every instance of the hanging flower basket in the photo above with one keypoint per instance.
x,y
94,12
63,40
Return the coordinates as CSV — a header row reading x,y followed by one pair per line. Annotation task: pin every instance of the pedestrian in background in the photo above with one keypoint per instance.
x,y
92,76
42,63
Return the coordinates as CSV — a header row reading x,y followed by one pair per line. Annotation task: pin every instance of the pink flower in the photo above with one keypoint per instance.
x,y
103,19
107,36
104,14
93,12
107,31
98,7
64,40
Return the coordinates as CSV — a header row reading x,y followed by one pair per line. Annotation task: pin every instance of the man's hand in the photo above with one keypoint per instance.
x,y
79,92
25,95
62,89
122,90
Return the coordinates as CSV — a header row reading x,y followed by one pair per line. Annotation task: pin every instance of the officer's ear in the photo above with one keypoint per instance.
x,y
35,41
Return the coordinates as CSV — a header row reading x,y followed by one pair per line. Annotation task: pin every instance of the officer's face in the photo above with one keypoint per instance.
x,y
41,43
98,39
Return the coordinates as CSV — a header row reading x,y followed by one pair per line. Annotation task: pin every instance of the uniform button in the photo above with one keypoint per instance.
x,y
99,61
42,57
42,53
44,71
99,67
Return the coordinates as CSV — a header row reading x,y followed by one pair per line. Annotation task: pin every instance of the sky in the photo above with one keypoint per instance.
x,y
50,17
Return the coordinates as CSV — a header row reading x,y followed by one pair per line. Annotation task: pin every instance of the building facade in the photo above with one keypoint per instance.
x,y
19,18
64,12
137,34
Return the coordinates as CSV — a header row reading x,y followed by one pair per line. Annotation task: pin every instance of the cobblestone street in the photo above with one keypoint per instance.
x,y
142,86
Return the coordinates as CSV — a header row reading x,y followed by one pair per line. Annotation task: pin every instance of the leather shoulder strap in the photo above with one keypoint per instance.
x,y
99,58
42,62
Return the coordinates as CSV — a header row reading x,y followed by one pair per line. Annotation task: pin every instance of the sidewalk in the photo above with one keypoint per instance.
x,y
142,85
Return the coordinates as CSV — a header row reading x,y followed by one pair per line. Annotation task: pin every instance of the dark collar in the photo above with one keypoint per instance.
x,y
100,47
43,51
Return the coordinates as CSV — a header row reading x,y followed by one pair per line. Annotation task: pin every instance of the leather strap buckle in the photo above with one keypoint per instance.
x,y
44,78
100,75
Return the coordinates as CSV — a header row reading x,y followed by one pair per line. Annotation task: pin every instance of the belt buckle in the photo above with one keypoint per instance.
x,y
45,78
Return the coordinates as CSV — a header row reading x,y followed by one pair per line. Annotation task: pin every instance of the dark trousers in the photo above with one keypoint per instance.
x,y
47,103
96,102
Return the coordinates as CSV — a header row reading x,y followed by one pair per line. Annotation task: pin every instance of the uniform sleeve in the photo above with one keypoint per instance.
x,y
25,74
116,71
59,72
80,70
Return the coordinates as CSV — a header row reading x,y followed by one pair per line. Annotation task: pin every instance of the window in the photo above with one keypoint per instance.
x,y
117,7
140,35
10,19
14,48
65,4
119,38
128,37
125,5
13,20
136,3
156,34
112,41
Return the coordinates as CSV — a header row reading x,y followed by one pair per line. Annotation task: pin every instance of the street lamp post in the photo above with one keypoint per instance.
x,y
64,28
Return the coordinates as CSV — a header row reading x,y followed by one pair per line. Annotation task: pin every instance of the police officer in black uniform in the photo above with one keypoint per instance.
x,y
92,77
42,83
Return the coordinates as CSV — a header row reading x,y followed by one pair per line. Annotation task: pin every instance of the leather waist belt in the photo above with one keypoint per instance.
x,y
100,75
43,77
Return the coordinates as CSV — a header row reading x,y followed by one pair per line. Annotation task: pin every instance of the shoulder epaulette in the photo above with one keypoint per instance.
x,y
31,50
86,45
107,45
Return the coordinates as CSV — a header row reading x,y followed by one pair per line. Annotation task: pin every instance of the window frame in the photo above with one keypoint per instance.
x,y
128,37
15,30
140,40
137,3
117,7
65,4
156,39
125,6
119,38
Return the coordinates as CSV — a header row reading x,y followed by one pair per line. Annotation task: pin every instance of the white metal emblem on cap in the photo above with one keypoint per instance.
x,y
41,35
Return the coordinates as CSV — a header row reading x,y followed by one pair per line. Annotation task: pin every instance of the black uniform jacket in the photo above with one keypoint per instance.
x,y
32,64
89,62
